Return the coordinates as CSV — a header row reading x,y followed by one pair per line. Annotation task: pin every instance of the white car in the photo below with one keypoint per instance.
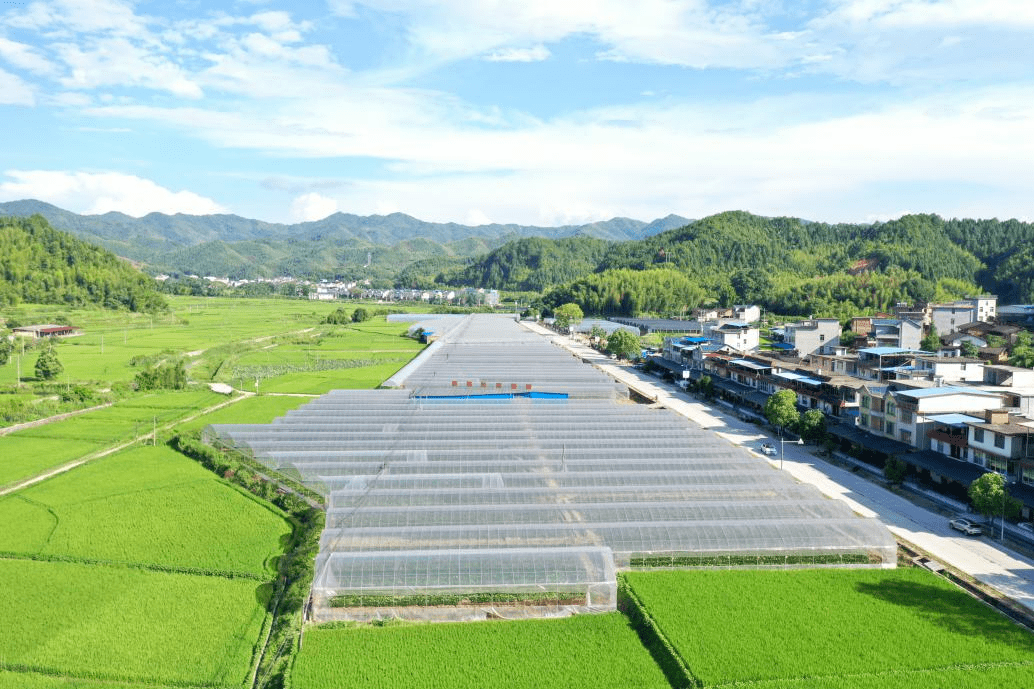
x,y
768,449
966,526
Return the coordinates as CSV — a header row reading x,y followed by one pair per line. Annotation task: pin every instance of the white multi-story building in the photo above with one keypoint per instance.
x,y
813,336
738,335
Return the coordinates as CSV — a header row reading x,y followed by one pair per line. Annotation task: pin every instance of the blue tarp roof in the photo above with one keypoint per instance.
x,y
955,419
694,340
781,345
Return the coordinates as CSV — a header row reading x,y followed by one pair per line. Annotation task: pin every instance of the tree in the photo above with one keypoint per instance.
x,y
1023,351
337,317
47,365
360,315
597,333
781,409
5,349
932,342
848,337
812,425
624,344
567,315
968,349
170,375
895,470
989,497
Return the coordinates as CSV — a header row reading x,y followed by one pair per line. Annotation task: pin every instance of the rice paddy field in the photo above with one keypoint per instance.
x,y
124,624
141,568
592,651
255,409
850,629
35,680
149,506
31,451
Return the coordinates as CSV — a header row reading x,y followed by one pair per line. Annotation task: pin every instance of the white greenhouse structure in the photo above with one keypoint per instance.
x,y
501,476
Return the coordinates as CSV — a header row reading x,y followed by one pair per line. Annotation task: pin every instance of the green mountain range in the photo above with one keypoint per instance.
x,y
339,246
788,265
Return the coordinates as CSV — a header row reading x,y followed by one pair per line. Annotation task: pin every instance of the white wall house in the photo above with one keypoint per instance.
x,y
747,313
740,336
950,369
1005,444
813,336
903,414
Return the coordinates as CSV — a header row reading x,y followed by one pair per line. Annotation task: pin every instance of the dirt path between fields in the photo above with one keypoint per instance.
x,y
51,419
115,448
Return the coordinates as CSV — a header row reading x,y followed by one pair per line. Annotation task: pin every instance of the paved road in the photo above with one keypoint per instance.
x,y
980,557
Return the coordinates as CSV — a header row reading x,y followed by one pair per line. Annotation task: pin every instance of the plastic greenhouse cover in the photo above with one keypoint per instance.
x,y
518,494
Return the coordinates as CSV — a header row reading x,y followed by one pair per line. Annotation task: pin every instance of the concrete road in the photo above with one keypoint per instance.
x,y
981,557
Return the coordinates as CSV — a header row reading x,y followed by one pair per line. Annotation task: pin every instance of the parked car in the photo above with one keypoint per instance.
x,y
1026,527
966,526
768,449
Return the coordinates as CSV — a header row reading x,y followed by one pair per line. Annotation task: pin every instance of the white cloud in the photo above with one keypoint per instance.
x,y
536,53
118,62
102,192
692,33
24,57
14,91
83,16
897,14
312,206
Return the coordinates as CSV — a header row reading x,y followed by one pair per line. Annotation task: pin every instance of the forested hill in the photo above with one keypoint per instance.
x,y
340,245
41,265
787,264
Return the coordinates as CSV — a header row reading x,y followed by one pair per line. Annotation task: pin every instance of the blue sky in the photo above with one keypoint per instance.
x,y
526,111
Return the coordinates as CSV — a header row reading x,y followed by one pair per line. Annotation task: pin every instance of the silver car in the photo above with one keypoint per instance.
x,y
966,526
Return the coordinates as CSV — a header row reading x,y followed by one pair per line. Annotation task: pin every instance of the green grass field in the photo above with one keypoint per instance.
x,y
148,506
833,628
597,651
32,451
127,624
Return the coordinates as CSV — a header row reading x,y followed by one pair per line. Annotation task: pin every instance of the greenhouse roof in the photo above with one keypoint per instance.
x,y
444,484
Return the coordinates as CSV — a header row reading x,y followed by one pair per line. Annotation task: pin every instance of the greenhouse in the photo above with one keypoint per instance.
x,y
502,476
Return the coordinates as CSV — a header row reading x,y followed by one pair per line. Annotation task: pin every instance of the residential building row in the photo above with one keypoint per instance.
x,y
952,418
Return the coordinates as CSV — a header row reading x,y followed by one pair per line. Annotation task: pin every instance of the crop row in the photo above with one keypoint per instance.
x,y
455,599
817,559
